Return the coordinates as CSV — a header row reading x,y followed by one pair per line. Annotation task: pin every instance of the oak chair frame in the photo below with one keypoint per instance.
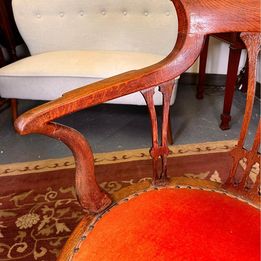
x,y
196,20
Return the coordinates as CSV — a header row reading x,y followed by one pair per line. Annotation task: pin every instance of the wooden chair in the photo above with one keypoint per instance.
x,y
165,223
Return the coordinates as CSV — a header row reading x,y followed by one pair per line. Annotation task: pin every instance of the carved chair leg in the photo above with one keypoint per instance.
x,y
159,151
91,197
252,42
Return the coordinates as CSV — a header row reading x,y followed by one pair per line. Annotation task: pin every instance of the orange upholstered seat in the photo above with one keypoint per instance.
x,y
174,224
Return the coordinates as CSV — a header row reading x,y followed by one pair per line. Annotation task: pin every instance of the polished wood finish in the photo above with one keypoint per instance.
x,y
233,63
196,20
89,193
170,134
159,151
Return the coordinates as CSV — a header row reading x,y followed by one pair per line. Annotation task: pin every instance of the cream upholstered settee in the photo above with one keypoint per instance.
x,y
76,42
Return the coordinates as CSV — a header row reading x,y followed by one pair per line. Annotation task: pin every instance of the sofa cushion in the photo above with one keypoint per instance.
x,y
48,75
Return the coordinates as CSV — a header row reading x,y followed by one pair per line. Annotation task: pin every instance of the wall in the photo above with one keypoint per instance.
x,y
217,58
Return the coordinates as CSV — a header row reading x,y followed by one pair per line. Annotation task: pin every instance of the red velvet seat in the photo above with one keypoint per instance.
x,y
174,224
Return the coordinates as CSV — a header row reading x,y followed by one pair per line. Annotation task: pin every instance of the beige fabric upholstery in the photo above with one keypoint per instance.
x,y
76,42
123,25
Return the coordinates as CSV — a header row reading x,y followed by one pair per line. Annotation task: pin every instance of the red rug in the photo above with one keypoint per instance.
x,y
38,204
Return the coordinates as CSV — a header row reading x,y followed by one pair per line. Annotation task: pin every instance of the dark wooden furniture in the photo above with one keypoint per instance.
x,y
236,46
2,60
2,63
10,39
196,20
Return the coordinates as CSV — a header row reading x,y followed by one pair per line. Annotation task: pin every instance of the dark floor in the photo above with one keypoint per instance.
x,y
120,127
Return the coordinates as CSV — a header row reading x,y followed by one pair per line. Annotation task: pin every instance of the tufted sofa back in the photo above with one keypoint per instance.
x,y
122,25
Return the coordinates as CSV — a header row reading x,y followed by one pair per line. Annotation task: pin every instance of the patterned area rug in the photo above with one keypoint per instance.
x,y
38,204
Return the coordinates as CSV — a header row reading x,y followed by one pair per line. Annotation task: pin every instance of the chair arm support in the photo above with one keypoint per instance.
x,y
40,119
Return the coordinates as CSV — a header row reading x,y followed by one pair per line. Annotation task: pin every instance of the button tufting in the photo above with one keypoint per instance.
x,y
81,13
146,13
38,16
167,13
103,12
61,14
124,12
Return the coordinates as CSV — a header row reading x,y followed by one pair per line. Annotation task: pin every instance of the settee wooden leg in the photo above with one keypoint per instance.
x,y
13,103
3,101
233,62
159,151
170,135
202,70
90,196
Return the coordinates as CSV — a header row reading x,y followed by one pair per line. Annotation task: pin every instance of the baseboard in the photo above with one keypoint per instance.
x,y
211,80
